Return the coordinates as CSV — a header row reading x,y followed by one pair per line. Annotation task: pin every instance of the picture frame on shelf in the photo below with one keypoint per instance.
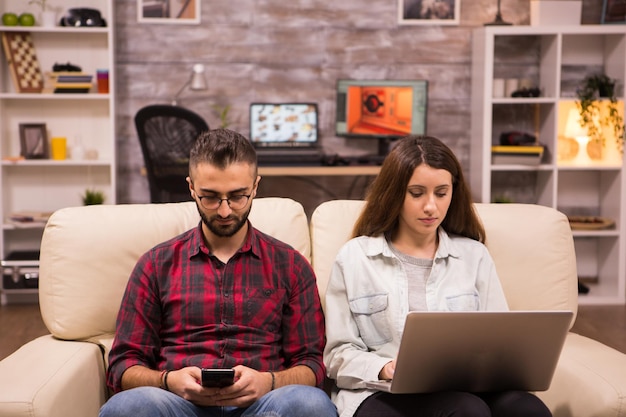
x,y
168,11
33,141
429,12
613,11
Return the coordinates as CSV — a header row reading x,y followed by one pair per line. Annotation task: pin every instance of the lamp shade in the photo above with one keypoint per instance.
x,y
198,82
573,129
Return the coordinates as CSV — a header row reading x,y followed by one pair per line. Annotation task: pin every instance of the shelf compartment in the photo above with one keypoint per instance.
x,y
531,57
82,122
533,118
87,49
589,53
590,193
47,189
605,155
597,260
21,239
528,187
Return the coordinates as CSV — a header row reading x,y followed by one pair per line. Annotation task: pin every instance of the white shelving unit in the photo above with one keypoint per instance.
x,y
555,59
87,120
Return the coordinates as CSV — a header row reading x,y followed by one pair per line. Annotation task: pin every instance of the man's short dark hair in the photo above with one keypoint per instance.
x,y
221,148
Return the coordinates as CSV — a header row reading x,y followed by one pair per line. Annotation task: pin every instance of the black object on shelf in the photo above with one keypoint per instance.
x,y
517,138
20,270
83,17
582,288
68,67
527,92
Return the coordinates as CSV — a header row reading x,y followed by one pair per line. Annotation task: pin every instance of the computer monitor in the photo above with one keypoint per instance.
x,y
381,109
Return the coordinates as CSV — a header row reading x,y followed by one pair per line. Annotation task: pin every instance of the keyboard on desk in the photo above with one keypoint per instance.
x,y
290,159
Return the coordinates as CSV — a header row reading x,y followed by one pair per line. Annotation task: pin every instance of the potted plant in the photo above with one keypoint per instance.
x,y
92,197
222,113
591,92
41,3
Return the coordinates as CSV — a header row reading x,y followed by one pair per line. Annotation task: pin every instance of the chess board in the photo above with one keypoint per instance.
x,y
23,64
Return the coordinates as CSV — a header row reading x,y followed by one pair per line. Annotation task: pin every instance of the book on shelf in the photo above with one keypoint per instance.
x,y
29,218
72,85
72,88
68,77
68,82
73,78
516,154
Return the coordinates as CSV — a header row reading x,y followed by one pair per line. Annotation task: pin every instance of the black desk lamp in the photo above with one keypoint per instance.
x,y
196,82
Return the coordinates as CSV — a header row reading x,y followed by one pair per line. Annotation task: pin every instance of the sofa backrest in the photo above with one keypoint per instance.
x,y
87,254
532,247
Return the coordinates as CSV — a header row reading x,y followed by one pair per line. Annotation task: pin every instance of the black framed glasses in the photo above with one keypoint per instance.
x,y
235,202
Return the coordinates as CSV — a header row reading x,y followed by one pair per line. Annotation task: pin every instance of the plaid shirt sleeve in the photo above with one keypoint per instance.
x,y
303,320
138,325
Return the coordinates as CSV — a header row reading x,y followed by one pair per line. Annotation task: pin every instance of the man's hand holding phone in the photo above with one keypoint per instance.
x,y
238,387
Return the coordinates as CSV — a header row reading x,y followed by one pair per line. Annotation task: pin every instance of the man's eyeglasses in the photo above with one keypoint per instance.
x,y
235,202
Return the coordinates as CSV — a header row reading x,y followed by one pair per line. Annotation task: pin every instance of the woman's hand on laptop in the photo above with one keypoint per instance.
x,y
388,370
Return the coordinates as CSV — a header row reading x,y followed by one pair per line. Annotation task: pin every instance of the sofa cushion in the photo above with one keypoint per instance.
x,y
88,253
533,249
331,227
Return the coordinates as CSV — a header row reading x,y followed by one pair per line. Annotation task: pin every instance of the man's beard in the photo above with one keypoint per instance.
x,y
224,230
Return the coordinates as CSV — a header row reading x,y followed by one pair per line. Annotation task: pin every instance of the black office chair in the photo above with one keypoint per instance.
x,y
166,134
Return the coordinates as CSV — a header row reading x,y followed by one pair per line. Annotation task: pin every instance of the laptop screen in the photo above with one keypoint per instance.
x,y
287,125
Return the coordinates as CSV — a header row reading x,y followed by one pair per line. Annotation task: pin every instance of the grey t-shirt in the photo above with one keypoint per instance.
x,y
417,271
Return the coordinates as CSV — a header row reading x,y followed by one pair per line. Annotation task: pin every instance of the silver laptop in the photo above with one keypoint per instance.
x,y
478,351
285,133
284,126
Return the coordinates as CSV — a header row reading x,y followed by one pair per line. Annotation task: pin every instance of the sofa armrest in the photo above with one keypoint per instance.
x,y
48,377
589,380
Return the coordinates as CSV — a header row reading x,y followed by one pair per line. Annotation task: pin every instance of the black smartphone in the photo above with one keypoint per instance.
x,y
217,378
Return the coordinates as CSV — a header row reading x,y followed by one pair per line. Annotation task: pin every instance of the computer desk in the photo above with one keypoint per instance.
x,y
319,171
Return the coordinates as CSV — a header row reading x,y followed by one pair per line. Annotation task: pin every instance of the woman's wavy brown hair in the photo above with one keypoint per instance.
x,y
386,195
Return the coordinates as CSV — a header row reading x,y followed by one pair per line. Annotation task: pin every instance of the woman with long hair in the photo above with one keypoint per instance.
x,y
418,245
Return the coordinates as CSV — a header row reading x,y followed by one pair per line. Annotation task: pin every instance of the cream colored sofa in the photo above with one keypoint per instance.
x,y
87,254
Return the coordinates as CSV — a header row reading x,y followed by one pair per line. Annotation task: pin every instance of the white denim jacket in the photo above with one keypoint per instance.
x,y
367,302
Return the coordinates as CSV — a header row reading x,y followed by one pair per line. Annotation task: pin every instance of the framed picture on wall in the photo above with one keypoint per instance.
x,y
614,11
429,12
168,11
33,140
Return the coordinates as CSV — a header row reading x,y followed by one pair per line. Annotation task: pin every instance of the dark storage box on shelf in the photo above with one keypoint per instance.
x,y
20,270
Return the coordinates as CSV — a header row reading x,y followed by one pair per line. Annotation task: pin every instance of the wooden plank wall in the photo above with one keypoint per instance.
x,y
269,50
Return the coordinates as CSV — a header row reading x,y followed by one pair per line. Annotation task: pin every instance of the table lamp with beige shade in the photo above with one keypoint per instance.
x,y
587,151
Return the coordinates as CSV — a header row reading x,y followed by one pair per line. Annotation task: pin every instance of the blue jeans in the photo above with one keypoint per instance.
x,y
287,401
